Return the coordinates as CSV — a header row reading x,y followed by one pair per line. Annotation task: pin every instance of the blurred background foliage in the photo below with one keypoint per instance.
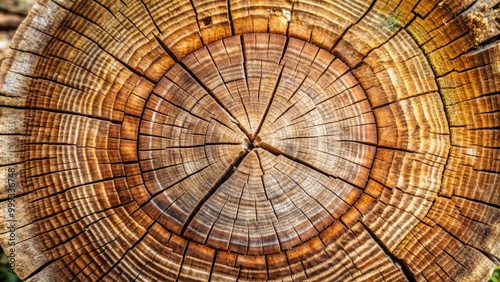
x,y
495,277
5,274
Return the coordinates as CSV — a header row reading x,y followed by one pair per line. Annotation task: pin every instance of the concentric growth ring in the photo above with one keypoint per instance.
x,y
203,140
254,144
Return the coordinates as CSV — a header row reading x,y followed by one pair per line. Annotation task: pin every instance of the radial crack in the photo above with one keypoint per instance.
x,y
268,104
398,262
277,152
227,174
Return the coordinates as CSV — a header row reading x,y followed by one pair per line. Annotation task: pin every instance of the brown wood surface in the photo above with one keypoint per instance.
x,y
204,140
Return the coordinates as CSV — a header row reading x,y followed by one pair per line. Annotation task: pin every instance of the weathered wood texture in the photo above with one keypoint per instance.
x,y
169,140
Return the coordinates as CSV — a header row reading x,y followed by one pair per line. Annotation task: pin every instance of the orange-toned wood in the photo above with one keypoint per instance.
x,y
237,140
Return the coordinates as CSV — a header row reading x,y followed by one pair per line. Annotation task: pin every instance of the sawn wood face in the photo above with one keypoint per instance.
x,y
260,140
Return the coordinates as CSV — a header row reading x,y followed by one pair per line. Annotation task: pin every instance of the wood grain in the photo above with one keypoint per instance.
x,y
259,140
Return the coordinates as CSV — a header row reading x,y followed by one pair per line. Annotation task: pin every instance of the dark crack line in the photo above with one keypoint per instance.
x,y
277,152
197,20
269,199
309,196
180,107
344,32
93,254
227,174
82,251
202,85
31,107
291,200
136,243
114,56
230,17
225,84
242,42
447,115
45,265
478,201
209,233
85,88
213,265
398,262
334,121
288,22
192,146
297,90
271,99
151,17
181,265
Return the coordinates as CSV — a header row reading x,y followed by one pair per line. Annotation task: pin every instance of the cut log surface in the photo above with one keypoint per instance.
x,y
203,140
